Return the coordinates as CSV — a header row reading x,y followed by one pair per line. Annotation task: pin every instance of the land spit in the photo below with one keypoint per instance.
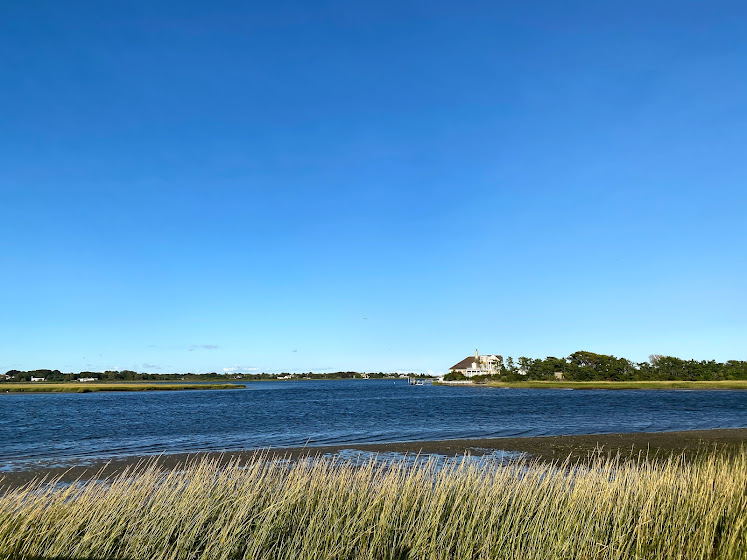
x,y
111,386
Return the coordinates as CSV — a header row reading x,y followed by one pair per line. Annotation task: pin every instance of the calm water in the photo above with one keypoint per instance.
x,y
295,413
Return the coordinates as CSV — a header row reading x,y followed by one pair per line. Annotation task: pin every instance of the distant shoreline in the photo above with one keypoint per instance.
x,y
546,449
98,387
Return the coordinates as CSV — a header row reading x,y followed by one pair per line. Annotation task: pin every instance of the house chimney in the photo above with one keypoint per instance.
x,y
477,356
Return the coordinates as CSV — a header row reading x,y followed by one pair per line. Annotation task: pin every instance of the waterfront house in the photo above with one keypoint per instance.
x,y
87,379
38,378
479,364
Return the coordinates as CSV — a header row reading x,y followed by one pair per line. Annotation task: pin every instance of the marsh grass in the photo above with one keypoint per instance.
x,y
731,385
94,387
321,508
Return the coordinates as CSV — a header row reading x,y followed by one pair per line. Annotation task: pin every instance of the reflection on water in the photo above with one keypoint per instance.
x,y
356,457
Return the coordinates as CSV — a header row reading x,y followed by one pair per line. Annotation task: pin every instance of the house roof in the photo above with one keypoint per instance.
x,y
466,363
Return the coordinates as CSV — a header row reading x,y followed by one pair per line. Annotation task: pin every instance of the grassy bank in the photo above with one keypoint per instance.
x,y
322,510
94,387
700,385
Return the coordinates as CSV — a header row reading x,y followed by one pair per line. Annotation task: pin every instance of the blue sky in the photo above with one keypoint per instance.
x,y
282,186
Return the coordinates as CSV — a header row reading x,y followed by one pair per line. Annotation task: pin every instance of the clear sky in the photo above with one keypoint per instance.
x,y
295,186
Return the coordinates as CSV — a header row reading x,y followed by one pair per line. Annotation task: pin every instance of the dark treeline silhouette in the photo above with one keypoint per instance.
x,y
123,375
129,375
588,366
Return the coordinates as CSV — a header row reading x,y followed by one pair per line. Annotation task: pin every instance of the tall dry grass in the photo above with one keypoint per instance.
x,y
321,509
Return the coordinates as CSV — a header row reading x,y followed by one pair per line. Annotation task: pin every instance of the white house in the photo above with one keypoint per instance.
x,y
486,364
38,378
87,379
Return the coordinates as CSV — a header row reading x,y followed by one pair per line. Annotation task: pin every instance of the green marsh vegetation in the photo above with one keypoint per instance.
x,y
95,387
693,385
320,509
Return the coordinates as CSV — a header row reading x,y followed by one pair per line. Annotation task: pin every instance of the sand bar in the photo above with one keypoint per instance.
x,y
545,448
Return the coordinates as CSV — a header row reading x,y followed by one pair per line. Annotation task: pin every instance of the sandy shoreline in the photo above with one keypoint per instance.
x,y
544,448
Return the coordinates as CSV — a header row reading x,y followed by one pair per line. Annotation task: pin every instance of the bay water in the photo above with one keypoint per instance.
x,y
61,427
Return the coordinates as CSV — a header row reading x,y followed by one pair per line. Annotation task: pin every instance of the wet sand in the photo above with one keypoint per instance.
x,y
546,449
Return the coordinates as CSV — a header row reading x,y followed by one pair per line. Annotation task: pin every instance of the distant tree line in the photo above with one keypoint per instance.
x,y
129,375
588,366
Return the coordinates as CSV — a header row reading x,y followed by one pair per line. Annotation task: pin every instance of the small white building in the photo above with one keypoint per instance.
x,y
38,378
87,379
479,364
